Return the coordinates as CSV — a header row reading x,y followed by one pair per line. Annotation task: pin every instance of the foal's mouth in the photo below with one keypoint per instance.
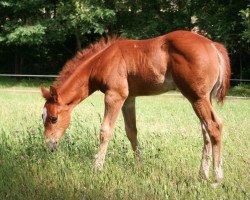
x,y
52,145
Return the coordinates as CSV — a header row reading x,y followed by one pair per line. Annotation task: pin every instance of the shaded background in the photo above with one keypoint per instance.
x,y
39,36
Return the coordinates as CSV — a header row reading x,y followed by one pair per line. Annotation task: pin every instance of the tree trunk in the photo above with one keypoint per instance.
x,y
241,71
18,60
78,41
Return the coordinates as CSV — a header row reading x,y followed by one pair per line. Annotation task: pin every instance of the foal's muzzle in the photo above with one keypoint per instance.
x,y
52,145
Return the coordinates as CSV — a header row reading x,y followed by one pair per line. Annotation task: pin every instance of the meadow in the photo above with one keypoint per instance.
x,y
170,142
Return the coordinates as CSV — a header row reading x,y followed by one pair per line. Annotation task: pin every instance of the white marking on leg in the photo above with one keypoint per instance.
x,y
218,172
206,154
99,160
218,175
205,164
105,136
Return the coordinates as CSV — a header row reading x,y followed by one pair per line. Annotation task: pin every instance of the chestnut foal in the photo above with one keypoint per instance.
x,y
123,69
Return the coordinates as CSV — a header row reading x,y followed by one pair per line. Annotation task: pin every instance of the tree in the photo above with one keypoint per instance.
x,y
82,17
20,26
245,14
40,24
40,35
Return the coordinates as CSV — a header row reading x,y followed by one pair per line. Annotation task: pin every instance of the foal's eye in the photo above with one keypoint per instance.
x,y
53,119
69,103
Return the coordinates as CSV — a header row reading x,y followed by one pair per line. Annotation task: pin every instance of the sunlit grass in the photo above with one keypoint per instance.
x,y
170,142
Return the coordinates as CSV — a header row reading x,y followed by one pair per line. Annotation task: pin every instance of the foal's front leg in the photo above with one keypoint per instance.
x,y
113,104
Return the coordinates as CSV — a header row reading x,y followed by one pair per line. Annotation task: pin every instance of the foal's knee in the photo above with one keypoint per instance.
x,y
105,133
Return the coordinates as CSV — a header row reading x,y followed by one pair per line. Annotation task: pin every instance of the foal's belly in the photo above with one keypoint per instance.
x,y
142,87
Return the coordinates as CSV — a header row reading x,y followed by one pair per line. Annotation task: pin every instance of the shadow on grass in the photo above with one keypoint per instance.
x,y
240,90
6,82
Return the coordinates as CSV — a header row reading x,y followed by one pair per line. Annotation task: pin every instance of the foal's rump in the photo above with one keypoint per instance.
x,y
198,65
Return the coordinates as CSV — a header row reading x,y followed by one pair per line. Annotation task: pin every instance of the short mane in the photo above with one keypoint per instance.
x,y
83,55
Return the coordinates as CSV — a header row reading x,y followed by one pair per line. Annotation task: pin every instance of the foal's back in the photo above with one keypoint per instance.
x,y
154,66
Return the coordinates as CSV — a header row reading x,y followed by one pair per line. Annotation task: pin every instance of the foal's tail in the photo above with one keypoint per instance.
x,y
223,83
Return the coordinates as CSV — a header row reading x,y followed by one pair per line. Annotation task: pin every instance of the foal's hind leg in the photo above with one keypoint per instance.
x,y
213,126
129,116
113,104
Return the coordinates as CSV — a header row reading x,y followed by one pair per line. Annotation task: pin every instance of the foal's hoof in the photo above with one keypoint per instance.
x,y
218,180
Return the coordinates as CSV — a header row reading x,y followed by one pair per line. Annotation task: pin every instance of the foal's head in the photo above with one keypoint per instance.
x,y
56,117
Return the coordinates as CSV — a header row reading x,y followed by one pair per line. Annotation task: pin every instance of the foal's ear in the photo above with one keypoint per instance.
x,y
54,93
45,92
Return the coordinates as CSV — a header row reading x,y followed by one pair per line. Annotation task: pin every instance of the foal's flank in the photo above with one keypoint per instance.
x,y
124,69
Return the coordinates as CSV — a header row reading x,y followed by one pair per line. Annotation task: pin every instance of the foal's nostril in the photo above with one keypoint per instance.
x,y
53,119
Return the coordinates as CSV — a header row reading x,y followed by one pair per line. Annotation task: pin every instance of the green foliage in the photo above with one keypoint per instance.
x,y
52,31
80,17
36,22
20,24
146,19
245,14
30,35
220,21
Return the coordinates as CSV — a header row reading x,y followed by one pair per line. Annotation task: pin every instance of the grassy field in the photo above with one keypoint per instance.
x,y
170,141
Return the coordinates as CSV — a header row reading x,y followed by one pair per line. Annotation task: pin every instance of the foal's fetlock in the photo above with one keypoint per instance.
x,y
137,156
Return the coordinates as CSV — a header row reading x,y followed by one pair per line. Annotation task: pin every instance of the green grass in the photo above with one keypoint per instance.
x,y
170,141
240,90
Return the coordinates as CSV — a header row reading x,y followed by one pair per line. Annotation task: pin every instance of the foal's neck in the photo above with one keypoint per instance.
x,y
76,87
